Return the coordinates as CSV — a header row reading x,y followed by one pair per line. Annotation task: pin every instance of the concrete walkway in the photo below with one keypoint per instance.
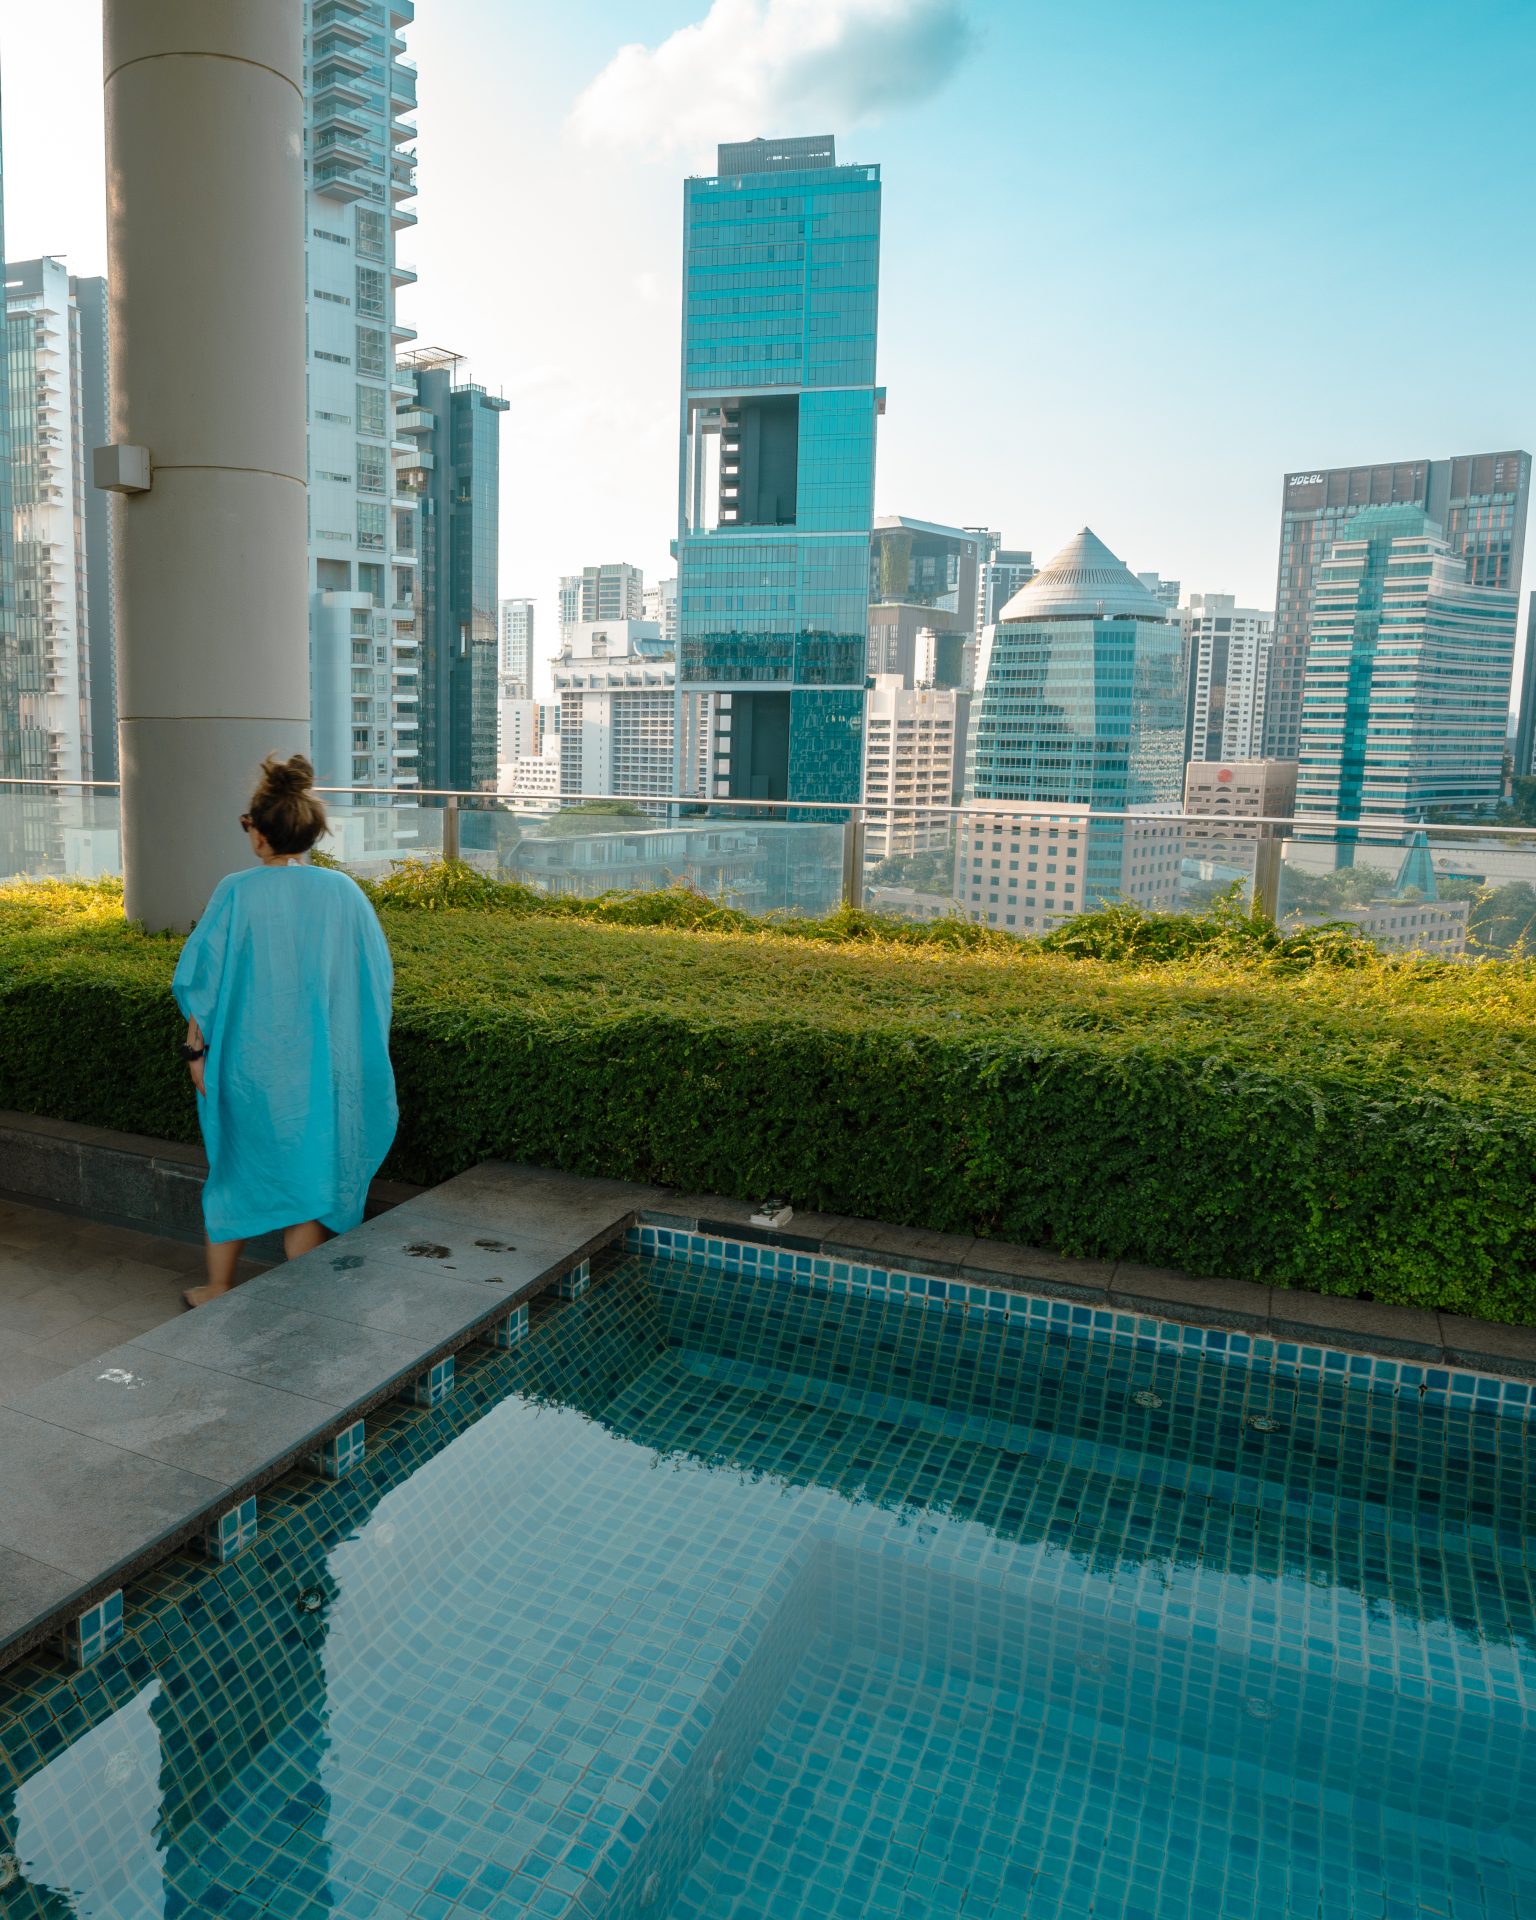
x,y
70,1290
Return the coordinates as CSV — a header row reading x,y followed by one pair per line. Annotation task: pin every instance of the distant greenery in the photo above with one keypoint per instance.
x,y
932,871
597,816
1304,892
1201,1091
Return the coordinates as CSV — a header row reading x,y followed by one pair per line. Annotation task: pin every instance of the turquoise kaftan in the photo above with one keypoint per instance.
x,y
289,977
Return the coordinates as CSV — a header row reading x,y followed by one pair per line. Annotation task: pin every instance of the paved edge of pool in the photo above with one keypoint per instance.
x,y
118,1462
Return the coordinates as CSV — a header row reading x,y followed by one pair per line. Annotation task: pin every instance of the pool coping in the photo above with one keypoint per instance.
x,y
297,1356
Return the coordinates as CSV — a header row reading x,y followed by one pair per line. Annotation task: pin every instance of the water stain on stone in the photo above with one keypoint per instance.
x,y
497,1246
427,1250
347,1263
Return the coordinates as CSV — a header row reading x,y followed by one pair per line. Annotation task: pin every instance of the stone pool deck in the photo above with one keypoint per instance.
x,y
113,1463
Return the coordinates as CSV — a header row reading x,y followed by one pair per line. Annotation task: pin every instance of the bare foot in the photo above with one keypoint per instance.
x,y
200,1296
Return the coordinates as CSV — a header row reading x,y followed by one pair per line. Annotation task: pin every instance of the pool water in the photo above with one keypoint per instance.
x,y
726,1598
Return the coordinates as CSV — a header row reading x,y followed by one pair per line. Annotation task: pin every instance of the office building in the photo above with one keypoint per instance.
x,y
1525,731
1409,662
616,685
781,250
537,775
1003,570
1026,868
517,649
922,580
613,591
56,355
1226,657
660,604
1224,803
1082,706
1478,501
455,477
360,173
910,736
1164,592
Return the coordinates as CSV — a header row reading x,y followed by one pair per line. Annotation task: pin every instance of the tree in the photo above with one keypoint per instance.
x,y
932,871
1304,892
597,816
1503,918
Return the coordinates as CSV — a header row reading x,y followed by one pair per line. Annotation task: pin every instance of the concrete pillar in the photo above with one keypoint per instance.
x,y
205,242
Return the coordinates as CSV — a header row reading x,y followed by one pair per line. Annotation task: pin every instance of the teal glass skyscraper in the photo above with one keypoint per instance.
x,y
1406,699
1081,703
781,254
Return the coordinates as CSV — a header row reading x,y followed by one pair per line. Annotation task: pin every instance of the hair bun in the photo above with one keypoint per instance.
x,y
294,775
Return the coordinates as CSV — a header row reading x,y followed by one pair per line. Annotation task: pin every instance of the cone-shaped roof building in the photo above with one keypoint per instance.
x,y
1086,582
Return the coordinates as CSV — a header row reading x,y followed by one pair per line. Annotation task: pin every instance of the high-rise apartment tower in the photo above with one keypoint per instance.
x,y
781,255
360,171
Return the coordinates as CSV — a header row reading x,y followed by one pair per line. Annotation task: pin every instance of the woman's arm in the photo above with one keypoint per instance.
x,y
195,1067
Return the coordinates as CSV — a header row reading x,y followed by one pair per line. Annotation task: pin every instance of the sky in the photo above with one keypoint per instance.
x,y
1138,261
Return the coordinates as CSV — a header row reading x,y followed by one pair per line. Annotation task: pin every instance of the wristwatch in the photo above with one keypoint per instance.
x,y
189,1054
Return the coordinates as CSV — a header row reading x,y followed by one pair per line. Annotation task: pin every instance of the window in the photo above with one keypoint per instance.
x,y
370,233
371,411
370,292
371,465
370,352
341,299
323,233
341,359
370,526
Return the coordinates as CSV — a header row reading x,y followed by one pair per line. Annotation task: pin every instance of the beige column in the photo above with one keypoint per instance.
x,y
205,241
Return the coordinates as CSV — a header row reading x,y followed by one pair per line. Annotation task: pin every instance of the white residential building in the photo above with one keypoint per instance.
x,y
1022,867
660,605
613,591
56,625
909,762
616,686
365,643
535,775
517,649
1226,651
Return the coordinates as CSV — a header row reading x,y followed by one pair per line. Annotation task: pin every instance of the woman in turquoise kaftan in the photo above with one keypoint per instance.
x,y
286,983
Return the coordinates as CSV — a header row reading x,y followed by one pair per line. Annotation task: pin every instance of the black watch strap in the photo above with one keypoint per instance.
x,y
189,1054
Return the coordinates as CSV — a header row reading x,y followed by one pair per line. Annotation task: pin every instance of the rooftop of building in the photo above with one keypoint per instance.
x,y
1084,581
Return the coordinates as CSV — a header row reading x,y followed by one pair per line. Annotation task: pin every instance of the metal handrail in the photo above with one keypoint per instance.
x,y
867,810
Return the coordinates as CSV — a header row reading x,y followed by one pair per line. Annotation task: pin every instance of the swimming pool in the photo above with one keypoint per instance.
x,y
723,1597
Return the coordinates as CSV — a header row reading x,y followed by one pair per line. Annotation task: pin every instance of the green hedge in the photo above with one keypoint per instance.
x,y
1214,1099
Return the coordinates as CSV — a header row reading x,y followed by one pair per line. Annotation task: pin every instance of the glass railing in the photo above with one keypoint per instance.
x,y
1444,891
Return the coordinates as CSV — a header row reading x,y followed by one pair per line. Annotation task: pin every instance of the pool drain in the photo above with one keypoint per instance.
x,y
1094,1664
120,1769
1145,1397
1257,1707
1263,1423
10,1870
310,1600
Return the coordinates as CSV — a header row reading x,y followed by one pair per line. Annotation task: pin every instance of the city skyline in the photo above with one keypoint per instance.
x,y
1211,400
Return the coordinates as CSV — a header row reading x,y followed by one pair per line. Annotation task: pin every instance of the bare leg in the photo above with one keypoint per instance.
x,y
223,1259
304,1238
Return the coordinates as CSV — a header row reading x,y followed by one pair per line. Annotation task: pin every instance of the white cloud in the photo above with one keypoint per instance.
x,y
772,67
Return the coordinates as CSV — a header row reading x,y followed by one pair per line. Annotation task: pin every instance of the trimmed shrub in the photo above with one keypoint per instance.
x,y
1233,1104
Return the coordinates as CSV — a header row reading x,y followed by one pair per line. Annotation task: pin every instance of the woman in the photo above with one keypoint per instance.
x,y
285,982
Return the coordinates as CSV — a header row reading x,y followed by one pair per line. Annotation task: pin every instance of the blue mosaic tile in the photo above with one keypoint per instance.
x,y
716,1596
84,1640
509,1331
232,1531
1436,1386
572,1285
342,1452
432,1388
